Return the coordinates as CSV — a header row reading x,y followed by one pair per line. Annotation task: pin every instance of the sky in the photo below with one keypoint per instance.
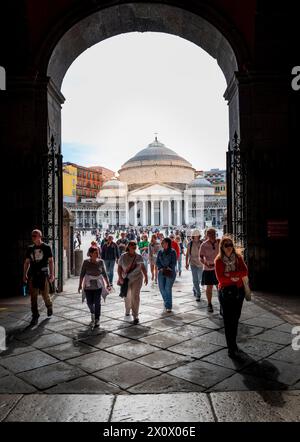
x,y
123,90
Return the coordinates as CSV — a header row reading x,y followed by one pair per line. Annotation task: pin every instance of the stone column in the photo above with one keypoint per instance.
x,y
161,211
178,212
152,212
186,209
170,212
135,213
144,213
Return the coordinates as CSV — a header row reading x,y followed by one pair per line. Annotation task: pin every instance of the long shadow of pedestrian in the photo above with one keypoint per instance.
x,y
261,377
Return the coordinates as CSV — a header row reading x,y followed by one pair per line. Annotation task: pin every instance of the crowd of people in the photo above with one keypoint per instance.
x,y
212,261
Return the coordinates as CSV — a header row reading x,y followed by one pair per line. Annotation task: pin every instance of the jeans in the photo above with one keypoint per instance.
x,y
165,286
110,265
179,263
197,276
232,307
93,299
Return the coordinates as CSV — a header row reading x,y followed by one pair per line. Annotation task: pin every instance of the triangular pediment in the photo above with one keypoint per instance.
x,y
155,190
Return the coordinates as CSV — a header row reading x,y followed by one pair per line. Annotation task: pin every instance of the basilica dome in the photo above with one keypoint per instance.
x,y
156,163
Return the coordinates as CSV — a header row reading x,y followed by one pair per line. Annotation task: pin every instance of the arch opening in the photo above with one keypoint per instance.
x,y
122,19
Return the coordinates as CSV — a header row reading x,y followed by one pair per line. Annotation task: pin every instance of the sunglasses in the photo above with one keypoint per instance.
x,y
228,245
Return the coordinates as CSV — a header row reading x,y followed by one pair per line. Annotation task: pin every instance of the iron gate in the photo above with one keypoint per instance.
x,y
236,193
52,207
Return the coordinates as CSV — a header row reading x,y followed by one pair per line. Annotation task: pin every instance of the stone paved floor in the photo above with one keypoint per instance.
x,y
183,353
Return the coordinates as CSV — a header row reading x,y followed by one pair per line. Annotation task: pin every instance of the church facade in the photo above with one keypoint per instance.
x,y
157,187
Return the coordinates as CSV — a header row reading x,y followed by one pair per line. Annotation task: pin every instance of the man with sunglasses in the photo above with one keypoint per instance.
x,y
38,272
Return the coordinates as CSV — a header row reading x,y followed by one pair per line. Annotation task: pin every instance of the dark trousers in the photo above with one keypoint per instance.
x,y
232,307
93,299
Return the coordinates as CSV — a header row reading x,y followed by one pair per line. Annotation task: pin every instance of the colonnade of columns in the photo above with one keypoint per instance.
x,y
157,212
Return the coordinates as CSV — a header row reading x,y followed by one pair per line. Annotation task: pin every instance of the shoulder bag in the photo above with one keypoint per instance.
x,y
124,286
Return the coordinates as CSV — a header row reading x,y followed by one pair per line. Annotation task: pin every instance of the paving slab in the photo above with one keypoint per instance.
x,y
165,384
202,373
180,407
275,337
246,331
135,331
160,324
7,403
105,340
279,371
267,406
259,348
62,408
47,340
13,384
286,328
84,385
216,337
264,322
96,361
132,349
27,361
127,374
287,354
15,348
3,372
190,330
221,358
244,382
62,325
164,339
163,358
214,323
195,347
69,350
46,377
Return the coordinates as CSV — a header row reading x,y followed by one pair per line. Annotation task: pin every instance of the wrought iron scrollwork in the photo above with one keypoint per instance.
x,y
236,193
52,204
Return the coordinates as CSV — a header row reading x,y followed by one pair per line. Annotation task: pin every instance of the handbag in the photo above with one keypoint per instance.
x,y
248,293
168,273
124,285
124,288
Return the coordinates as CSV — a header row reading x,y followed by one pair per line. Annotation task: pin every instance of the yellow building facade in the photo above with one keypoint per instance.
x,y
69,183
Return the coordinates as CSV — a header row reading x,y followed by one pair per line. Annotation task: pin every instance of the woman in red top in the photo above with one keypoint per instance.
x,y
230,269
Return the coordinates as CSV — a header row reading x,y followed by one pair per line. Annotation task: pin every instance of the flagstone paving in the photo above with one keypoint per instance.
x,y
184,351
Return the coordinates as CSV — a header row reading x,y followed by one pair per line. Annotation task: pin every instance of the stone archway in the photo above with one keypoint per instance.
x,y
139,17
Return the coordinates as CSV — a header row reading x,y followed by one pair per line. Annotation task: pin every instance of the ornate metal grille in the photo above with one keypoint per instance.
x,y
52,206
236,193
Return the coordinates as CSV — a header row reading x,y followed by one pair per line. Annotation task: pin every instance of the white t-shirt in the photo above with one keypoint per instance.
x,y
126,260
